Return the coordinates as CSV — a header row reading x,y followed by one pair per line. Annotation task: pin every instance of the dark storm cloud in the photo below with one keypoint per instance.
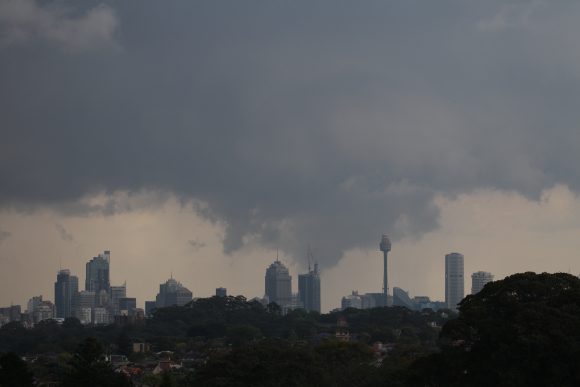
x,y
292,123
25,20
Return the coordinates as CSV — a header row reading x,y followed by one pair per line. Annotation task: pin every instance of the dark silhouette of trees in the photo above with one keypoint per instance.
x,y
72,323
14,371
520,331
88,367
124,343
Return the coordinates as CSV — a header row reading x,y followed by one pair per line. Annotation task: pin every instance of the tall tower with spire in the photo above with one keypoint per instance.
x,y
385,247
278,284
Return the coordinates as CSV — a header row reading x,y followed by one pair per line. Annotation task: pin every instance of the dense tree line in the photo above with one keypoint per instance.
x,y
520,331
233,320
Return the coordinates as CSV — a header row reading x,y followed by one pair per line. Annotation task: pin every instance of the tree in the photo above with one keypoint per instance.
x,y
520,331
72,323
167,380
88,368
14,371
239,335
124,343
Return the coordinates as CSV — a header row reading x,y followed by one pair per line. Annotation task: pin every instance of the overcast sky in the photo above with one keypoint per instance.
x,y
200,137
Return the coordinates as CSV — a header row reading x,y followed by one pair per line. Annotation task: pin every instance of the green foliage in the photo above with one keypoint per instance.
x,y
264,364
14,371
88,368
124,343
72,323
167,380
520,331
239,335
226,329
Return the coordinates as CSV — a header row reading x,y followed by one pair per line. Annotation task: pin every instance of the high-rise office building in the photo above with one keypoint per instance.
x,y
351,301
85,315
33,303
278,284
127,306
10,313
97,277
100,316
85,301
115,294
375,300
454,281
43,311
221,292
172,293
309,289
66,290
150,308
479,279
295,303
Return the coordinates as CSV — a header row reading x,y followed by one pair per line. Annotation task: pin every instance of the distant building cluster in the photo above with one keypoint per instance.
x,y
98,303
364,301
103,303
278,288
454,287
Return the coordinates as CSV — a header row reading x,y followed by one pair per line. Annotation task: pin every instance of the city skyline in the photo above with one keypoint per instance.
x,y
101,302
330,303
202,141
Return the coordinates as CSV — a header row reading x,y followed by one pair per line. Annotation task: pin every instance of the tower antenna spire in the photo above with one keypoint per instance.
x,y
385,247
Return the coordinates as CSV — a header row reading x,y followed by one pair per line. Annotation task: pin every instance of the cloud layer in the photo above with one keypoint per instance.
x,y
24,20
294,123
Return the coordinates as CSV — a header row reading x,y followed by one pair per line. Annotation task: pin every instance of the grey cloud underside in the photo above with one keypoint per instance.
x,y
298,123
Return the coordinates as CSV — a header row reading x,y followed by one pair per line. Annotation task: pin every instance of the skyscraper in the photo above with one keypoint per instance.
x,y
385,247
66,289
278,283
43,311
479,279
221,292
454,281
309,289
172,293
84,304
33,303
97,277
115,294
150,308
127,306
351,301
